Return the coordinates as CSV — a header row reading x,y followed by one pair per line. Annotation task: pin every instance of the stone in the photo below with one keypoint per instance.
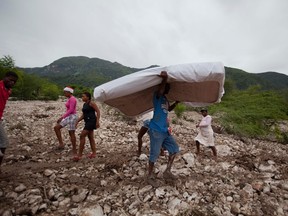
x,y
48,172
92,211
229,199
189,159
106,209
81,196
65,202
103,183
174,205
43,206
51,194
145,189
266,168
223,150
12,195
35,199
160,192
20,188
143,157
35,191
284,185
258,185
147,198
235,208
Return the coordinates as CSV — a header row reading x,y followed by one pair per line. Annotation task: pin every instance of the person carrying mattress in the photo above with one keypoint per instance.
x,y
158,131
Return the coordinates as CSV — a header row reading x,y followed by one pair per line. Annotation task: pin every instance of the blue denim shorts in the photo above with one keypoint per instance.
x,y
158,140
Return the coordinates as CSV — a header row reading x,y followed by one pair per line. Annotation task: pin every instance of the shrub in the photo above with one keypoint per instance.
x,y
179,110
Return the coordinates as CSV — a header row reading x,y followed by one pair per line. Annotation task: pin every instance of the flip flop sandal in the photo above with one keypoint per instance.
x,y
76,158
91,155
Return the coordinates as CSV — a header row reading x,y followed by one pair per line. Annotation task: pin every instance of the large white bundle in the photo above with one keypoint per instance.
x,y
198,84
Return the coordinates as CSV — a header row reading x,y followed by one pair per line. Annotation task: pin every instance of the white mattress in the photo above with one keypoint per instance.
x,y
197,84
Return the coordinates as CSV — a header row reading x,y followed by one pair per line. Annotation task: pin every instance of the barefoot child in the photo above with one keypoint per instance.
x,y
91,123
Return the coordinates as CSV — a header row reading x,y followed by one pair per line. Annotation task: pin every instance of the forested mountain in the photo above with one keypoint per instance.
x,y
81,70
267,80
91,72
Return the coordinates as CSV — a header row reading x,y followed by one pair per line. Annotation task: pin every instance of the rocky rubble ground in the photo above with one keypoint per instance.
x,y
248,178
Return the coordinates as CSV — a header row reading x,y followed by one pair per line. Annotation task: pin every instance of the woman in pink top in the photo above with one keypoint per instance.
x,y
69,119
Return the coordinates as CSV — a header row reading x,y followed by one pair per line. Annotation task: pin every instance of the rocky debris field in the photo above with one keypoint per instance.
x,y
248,178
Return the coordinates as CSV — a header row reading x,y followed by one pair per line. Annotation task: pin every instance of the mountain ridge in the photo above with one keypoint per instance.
x,y
91,72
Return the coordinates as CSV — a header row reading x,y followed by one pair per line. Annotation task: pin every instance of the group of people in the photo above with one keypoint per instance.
x,y
91,116
157,128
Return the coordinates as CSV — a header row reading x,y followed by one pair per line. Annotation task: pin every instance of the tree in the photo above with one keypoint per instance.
x,y
7,62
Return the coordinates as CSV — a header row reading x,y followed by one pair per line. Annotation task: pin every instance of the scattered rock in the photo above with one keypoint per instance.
x,y
20,188
249,178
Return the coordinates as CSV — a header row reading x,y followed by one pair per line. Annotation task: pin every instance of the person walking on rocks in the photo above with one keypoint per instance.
x,y
68,119
6,85
91,123
206,134
158,131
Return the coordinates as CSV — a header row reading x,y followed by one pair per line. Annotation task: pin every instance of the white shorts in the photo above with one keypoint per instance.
x,y
70,122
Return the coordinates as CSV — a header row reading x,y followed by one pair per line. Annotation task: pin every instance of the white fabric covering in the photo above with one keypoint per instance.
x,y
198,84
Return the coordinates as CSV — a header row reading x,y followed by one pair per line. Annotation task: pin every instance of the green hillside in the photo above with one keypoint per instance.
x,y
91,72
268,81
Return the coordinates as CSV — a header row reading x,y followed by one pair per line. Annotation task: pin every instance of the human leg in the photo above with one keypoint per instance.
x,y
214,151
3,142
92,144
83,135
57,130
162,153
141,133
156,140
172,147
197,147
2,156
73,141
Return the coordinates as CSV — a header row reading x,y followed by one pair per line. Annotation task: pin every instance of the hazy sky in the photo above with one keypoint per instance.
x,y
248,34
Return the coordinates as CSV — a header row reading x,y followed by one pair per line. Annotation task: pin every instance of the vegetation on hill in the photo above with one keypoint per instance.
x,y
80,70
28,86
268,80
253,113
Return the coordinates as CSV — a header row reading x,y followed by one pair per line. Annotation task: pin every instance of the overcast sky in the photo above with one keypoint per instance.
x,y
246,34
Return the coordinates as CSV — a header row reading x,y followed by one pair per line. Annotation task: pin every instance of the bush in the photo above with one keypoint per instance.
x,y
179,110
